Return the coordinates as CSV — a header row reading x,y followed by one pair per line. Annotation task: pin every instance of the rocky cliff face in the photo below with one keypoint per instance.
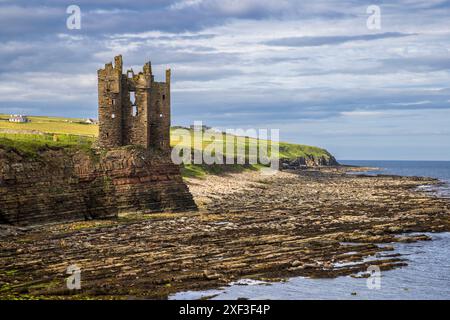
x,y
307,162
62,185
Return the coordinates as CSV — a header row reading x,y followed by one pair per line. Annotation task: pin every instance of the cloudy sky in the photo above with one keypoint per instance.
x,y
312,69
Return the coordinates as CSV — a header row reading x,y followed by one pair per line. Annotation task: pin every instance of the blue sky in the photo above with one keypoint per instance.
x,y
309,68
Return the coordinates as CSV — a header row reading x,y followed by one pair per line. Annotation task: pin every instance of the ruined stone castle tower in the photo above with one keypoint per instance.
x,y
133,109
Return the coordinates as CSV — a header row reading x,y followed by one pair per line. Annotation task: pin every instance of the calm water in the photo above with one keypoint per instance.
x,y
426,277
434,169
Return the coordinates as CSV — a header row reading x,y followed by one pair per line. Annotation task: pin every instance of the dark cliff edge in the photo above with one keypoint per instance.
x,y
60,184
307,161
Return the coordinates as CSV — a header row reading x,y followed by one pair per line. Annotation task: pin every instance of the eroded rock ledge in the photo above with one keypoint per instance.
x,y
312,223
59,184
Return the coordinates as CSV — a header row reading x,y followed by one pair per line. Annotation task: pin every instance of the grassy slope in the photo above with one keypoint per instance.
x,y
68,131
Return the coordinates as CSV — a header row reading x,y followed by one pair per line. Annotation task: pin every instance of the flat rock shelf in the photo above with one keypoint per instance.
x,y
313,223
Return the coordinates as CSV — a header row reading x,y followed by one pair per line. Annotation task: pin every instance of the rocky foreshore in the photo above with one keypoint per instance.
x,y
309,223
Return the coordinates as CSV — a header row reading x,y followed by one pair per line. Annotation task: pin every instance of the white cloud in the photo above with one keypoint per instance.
x,y
44,86
361,113
185,4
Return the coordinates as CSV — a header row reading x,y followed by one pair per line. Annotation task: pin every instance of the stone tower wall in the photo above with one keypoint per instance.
x,y
145,121
136,113
160,118
110,105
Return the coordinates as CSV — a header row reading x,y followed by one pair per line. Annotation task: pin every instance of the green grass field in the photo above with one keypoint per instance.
x,y
42,132
51,125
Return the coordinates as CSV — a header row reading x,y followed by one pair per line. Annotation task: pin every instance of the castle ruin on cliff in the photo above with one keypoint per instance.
x,y
71,184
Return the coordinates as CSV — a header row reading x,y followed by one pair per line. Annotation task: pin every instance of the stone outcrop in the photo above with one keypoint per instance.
x,y
307,162
66,185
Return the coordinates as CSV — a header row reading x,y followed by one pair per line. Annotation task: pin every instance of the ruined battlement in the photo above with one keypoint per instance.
x,y
133,109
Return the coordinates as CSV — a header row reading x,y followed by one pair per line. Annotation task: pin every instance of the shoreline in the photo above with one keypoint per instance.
x,y
359,171
399,283
248,226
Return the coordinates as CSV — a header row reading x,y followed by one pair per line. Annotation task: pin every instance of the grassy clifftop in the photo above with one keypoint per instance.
x,y
44,132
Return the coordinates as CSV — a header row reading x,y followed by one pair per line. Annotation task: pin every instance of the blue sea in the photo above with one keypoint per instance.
x,y
427,275
434,169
